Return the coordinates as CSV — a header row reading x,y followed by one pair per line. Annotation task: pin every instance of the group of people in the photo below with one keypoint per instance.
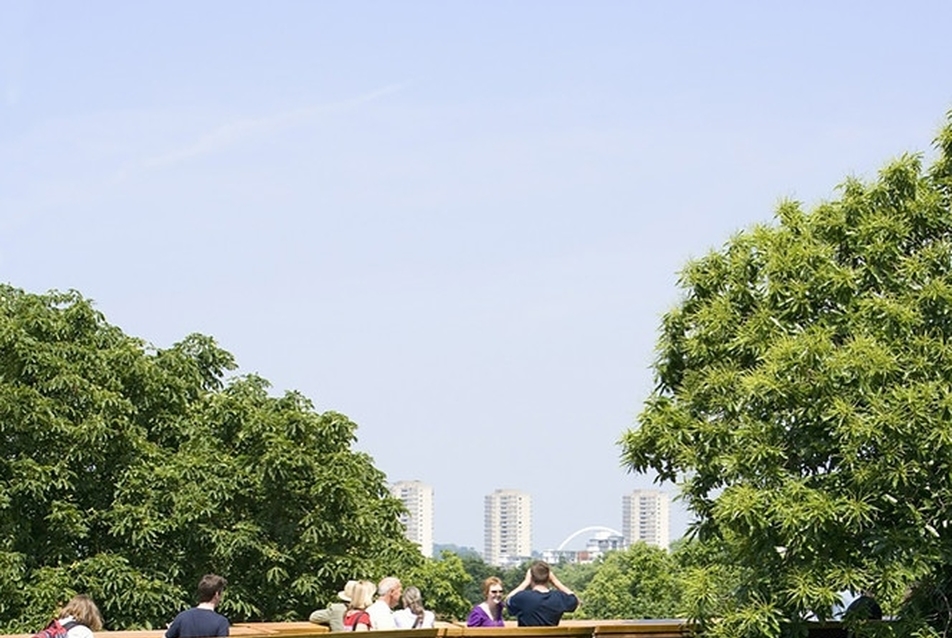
x,y
80,617
358,611
539,600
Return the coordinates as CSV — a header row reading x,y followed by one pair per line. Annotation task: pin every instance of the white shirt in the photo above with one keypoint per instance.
x,y
404,619
77,631
381,617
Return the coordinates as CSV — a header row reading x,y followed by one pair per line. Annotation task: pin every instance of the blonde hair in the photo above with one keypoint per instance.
x,y
488,583
84,611
362,595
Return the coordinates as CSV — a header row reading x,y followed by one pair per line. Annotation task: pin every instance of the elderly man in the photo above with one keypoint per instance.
x,y
389,591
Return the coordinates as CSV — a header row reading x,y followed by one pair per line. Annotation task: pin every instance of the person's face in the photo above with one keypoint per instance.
x,y
395,594
495,594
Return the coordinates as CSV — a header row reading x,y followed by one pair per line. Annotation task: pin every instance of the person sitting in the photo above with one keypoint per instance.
x,y
357,618
534,603
413,615
80,617
489,612
333,615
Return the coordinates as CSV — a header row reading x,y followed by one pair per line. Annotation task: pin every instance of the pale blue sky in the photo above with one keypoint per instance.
x,y
456,222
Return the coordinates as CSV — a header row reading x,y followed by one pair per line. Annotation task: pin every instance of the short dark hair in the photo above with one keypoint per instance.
x,y
539,570
209,585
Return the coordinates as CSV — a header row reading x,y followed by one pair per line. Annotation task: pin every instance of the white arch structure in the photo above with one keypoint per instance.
x,y
593,528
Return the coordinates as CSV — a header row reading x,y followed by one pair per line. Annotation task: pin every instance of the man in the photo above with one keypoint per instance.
x,y
333,615
388,595
202,621
534,603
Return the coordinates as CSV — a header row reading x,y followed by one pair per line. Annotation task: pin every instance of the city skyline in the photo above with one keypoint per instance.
x,y
508,522
458,224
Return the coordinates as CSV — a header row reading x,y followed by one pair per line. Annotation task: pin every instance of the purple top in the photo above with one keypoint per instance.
x,y
479,618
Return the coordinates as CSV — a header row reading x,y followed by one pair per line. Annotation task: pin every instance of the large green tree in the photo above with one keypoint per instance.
x,y
804,402
126,472
639,582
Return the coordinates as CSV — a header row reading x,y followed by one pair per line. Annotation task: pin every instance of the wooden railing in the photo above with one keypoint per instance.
x,y
659,628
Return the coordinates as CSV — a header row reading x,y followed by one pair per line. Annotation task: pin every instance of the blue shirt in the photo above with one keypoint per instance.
x,y
540,609
197,623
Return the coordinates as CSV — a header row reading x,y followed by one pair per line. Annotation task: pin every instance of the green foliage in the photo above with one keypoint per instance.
x,y
443,584
478,571
804,404
639,582
128,472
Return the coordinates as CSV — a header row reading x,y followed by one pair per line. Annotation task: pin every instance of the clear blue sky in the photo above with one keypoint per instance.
x,y
458,223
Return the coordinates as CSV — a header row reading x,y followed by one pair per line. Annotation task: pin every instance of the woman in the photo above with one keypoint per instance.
x,y
356,618
80,617
413,615
489,612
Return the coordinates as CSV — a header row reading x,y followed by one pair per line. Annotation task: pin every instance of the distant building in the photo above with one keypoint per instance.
x,y
417,497
645,517
508,527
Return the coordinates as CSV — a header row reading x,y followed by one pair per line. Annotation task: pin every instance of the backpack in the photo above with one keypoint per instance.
x,y
56,629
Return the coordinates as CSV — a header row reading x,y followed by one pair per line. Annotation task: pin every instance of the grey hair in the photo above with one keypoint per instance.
x,y
385,585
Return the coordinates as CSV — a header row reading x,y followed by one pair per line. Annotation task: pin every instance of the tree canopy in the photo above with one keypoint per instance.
x,y
127,472
804,402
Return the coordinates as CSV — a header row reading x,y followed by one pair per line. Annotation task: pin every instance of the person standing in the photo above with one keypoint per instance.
x,y
202,621
489,612
389,591
541,598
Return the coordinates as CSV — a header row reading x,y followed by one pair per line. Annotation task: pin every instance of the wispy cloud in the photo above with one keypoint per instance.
x,y
235,131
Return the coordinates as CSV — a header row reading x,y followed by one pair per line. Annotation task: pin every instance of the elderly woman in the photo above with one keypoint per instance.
x,y
356,618
413,615
489,612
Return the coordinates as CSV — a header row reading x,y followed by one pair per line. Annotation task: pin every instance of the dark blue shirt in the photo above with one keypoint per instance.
x,y
198,623
537,609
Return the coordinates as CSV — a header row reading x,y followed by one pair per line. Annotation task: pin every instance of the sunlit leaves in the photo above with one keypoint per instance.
x,y
803,398
128,472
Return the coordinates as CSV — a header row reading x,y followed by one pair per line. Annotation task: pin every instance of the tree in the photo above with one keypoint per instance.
x,y
804,404
443,583
127,472
639,582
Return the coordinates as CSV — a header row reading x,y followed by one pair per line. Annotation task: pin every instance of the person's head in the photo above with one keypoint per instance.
x,y
539,572
389,590
210,588
413,599
362,594
348,592
84,611
492,590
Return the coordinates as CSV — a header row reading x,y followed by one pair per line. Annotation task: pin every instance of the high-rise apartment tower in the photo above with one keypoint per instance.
x,y
645,517
417,497
508,527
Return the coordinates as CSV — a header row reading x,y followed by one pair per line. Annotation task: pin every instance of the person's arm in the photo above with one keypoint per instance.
x,y
320,617
523,585
555,582
572,602
173,630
